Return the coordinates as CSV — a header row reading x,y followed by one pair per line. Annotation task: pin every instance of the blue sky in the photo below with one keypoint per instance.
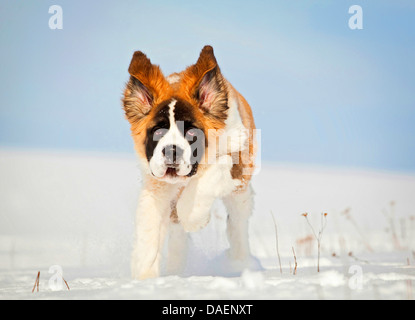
x,y
321,93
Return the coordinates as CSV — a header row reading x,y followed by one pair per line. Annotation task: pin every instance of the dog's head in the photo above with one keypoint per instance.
x,y
170,117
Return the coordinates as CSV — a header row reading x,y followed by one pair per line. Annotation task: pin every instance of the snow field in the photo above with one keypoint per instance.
x,y
77,211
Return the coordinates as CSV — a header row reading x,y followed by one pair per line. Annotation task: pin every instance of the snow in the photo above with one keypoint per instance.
x,y
76,211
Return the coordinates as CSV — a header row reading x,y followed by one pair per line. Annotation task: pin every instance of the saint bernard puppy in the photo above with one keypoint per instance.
x,y
195,138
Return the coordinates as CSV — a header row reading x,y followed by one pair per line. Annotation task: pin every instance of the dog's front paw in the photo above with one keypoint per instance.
x,y
193,209
195,222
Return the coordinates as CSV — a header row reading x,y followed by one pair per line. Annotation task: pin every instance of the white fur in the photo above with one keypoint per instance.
x,y
239,207
177,249
232,139
152,218
193,207
235,132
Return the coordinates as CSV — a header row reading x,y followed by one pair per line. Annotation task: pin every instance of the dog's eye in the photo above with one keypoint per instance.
x,y
191,132
159,131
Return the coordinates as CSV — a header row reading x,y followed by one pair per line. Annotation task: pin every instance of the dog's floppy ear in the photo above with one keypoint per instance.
x,y
208,85
145,88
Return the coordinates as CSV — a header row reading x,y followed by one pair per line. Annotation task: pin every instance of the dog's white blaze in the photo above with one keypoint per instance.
x,y
171,112
172,137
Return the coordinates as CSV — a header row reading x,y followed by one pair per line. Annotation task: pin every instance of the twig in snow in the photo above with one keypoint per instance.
x,y
36,283
319,235
276,240
66,283
295,262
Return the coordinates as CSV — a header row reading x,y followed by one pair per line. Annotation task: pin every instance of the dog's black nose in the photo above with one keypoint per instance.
x,y
172,153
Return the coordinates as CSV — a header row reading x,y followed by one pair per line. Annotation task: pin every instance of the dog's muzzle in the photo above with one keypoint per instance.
x,y
172,155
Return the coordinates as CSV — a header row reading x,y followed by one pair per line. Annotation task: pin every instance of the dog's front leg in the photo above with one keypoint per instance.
x,y
151,224
196,200
193,207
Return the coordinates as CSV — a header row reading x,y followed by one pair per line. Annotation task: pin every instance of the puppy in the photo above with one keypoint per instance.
x,y
194,135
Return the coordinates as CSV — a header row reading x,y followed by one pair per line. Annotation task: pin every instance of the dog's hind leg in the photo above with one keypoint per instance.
x,y
239,206
237,258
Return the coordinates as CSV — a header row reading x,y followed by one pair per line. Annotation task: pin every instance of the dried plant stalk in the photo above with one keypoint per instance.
x,y
66,283
276,240
319,235
295,262
36,283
